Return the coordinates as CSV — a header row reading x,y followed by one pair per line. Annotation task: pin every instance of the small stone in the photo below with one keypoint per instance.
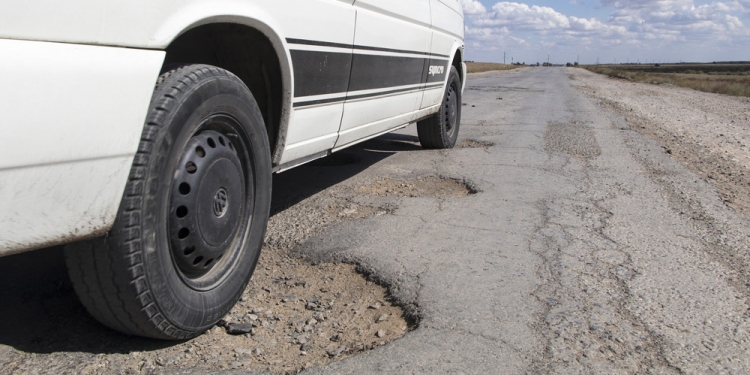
x,y
596,329
335,338
252,317
289,298
258,351
374,306
311,306
335,352
380,333
324,290
305,347
382,318
307,328
242,351
161,362
239,328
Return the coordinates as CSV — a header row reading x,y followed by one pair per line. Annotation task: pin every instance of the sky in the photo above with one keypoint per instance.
x,y
607,31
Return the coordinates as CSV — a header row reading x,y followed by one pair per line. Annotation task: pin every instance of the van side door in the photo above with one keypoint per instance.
x,y
391,49
319,35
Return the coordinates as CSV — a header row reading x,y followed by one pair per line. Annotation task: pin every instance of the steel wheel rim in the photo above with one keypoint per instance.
x,y
211,201
450,111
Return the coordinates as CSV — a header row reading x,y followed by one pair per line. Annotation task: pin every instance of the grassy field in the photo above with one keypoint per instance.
x,y
478,67
728,79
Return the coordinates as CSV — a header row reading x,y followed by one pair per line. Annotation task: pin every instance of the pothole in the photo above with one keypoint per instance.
x,y
302,315
471,143
357,211
425,186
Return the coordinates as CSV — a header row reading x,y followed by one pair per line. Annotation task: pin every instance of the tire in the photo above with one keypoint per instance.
x,y
191,224
441,130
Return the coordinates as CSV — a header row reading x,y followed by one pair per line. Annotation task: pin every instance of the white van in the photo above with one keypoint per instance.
x,y
144,133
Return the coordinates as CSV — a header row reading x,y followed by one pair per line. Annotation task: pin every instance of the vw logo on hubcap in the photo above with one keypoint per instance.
x,y
220,203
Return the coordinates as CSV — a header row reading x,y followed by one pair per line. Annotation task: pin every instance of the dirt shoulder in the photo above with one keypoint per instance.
x,y
708,133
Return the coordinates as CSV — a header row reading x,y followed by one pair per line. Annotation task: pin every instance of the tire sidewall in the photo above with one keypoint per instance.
x,y
453,80
182,306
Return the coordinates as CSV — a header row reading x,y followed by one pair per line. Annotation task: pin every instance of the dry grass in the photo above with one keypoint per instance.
x,y
727,83
478,67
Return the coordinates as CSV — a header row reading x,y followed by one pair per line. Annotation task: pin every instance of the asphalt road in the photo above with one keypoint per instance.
x,y
587,250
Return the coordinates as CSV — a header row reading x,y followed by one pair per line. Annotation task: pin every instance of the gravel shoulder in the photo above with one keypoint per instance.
x,y
708,133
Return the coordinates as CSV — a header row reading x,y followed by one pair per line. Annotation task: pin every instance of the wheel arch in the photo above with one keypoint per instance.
x,y
252,50
457,62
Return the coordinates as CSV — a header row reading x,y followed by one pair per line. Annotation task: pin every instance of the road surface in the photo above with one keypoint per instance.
x,y
588,250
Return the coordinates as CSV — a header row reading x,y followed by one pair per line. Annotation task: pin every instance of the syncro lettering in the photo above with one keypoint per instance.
x,y
436,70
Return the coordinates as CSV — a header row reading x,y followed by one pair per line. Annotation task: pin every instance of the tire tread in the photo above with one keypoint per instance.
x,y
92,265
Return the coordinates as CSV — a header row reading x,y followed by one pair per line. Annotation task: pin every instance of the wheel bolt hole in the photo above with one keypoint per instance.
x,y
182,211
211,143
197,260
189,250
231,146
183,233
208,262
200,151
184,188
190,167
221,140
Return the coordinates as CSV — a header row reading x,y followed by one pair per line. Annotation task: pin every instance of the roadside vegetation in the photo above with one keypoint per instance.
x,y
727,79
478,67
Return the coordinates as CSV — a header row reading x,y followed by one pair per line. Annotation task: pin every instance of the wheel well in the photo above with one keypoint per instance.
x,y
457,59
244,51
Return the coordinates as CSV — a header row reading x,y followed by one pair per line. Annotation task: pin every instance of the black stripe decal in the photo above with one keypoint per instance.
x,y
318,73
355,46
321,101
325,73
318,43
377,72
363,96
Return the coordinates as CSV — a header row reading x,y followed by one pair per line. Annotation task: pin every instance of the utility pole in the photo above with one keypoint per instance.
x,y
547,59
503,58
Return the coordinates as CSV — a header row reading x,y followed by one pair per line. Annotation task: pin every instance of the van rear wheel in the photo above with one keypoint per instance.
x,y
191,223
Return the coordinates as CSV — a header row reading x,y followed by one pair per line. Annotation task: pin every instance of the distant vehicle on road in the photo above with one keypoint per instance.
x,y
144,133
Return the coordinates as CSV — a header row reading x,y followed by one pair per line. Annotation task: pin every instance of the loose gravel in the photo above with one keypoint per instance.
x,y
708,133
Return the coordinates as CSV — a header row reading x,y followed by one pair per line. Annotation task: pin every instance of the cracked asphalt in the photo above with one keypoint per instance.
x,y
587,249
